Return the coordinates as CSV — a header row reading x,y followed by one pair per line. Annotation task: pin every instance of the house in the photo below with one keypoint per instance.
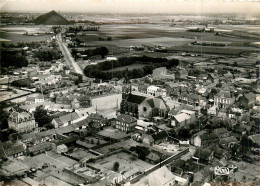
x,y
222,132
181,74
10,150
75,104
205,139
224,98
205,175
152,158
202,155
212,111
171,87
152,90
180,120
126,123
65,120
213,78
222,114
156,138
39,148
228,141
96,119
220,153
129,175
22,121
142,88
247,100
160,92
62,100
164,177
153,107
37,99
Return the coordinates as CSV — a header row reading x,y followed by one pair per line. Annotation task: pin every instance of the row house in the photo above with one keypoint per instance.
x,y
205,139
37,99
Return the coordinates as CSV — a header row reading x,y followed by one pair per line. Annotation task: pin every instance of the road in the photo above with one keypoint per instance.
x,y
67,55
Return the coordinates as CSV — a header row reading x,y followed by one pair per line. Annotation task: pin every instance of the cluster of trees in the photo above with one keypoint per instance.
x,y
97,71
102,51
79,28
48,55
3,117
141,151
34,44
15,58
42,118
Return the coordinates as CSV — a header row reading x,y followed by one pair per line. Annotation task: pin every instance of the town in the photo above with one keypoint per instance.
x,y
95,103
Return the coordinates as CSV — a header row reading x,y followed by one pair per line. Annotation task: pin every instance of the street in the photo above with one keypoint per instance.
x,y
67,56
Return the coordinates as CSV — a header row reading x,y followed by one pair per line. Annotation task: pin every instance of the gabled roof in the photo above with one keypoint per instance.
x,y
202,153
64,130
10,149
160,135
250,96
153,156
162,175
182,117
39,147
135,98
208,136
126,118
224,94
230,139
95,116
173,85
69,117
221,131
157,103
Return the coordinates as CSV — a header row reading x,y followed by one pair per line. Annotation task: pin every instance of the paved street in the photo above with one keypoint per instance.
x,y
67,56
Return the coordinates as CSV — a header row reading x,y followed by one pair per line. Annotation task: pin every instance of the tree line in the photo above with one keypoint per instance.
x,y
15,58
97,71
48,55
102,51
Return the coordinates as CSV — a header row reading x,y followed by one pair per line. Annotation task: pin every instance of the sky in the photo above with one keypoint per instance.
x,y
248,7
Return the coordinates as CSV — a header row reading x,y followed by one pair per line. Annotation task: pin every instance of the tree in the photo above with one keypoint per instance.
x,y
3,118
41,116
184,134
116,166
103,52
141,151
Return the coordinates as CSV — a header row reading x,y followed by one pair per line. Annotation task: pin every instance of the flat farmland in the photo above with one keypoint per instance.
x,y
16,38
213,50
130,67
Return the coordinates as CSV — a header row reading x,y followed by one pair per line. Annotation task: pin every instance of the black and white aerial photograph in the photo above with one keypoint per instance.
x,y
129,92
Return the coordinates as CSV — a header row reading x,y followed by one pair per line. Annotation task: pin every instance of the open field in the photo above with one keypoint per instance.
x,y
125,164
56,160
213,50
110,102
16,38
130,67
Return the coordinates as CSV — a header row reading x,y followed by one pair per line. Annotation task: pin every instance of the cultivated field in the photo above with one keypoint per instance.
x,y
16,38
